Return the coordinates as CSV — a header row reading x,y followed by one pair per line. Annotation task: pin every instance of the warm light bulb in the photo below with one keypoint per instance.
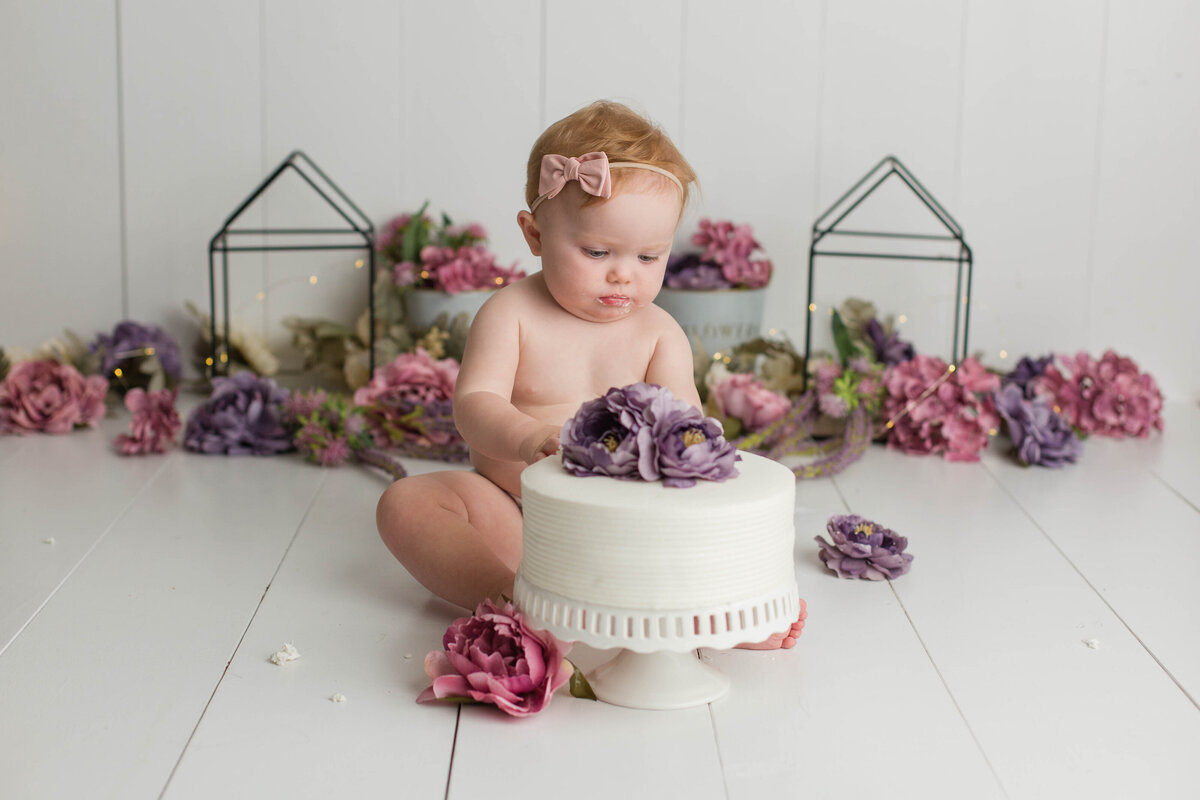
x,y
951,368
358,264
117,372
499,281
992,431
312,279
716,356
424,274
260,295
812,306
1004,354
224,357
903,318
149,351
208,361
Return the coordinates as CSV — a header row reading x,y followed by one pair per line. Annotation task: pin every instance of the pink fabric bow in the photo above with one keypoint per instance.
x,y
590,169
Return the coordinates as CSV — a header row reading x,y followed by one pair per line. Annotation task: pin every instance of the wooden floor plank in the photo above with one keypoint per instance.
x,y
857,686
362,627
101,692
1005,616
1175,453
52,489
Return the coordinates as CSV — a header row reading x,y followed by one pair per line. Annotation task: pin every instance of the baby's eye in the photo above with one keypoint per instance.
x,y
647,259
594,253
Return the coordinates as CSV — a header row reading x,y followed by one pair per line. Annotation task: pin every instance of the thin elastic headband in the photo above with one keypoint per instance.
x,y
592,170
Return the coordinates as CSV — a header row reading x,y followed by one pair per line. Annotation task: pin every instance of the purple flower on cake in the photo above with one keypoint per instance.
x,y
244,415
49,397
495,657
1039,435
642,431
155,422
863,549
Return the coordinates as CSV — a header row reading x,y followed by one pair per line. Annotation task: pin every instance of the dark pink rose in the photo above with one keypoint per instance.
x,y
743,396
494,657
411,376
49,397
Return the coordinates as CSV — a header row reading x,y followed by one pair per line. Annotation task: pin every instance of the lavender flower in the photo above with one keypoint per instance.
x,y
132,341
595,442
689,446
689,272
889,348
244,415
1026,372
863,549
1040,436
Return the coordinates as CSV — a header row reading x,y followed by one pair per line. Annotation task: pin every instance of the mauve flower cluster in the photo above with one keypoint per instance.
x,y
455,270
155,422
863,549
642,431
329,431
955,418
1039,435
746,398
49,397
888,348
244,415
1109,397
404,396
841,390
727,248
130,343
495,657
1024,376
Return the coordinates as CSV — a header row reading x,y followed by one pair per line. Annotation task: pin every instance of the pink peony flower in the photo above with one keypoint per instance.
x,y
495,657
155,422
743,396
731,246
49,397
954,419
1109,397
397,389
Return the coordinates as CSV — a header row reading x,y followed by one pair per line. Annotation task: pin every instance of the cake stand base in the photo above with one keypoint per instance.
x,y
660,680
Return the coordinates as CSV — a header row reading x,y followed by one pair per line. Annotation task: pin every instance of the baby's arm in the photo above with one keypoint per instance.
x,y
671,363
483,409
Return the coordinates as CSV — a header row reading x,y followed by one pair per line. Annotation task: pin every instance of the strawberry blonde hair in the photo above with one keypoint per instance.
x,y
617,130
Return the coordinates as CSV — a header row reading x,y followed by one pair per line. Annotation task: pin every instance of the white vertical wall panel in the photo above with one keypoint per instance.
x,y
750,95
193,149
60,236
470,103
1032,76
332,78
629,52
891,85
1145,278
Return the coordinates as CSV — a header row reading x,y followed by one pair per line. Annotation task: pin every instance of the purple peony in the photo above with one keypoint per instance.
x,y
863,549
689,272
244,415
889,348
1039,435
1026,372
643,431
132,340
495,657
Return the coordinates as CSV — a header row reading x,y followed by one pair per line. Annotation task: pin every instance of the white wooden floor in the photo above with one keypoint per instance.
x,y
134,648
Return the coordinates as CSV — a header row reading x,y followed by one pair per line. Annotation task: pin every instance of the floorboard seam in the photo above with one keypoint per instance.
x,y
453,748
712,719
117,518
250,622
1173,490
1092,586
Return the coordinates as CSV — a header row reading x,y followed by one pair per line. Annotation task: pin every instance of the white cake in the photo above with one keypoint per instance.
x,y
641,566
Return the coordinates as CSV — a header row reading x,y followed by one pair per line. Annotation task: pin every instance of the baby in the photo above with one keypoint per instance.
x,y
606,189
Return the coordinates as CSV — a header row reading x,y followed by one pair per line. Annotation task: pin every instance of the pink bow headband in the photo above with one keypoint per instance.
x,y
592,170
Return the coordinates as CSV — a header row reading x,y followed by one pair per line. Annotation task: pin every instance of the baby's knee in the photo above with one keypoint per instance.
x,y
408,508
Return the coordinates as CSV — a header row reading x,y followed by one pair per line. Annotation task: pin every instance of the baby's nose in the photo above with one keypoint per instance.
x,y
620,271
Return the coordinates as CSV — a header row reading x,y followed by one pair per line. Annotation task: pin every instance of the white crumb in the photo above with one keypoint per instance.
x,y
407,656
48,540
337,697
1092,643
288,653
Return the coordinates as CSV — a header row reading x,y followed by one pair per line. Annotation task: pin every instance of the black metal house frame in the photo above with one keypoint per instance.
x,y
359,235
826,233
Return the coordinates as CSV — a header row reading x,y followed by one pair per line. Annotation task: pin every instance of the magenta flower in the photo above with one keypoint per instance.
x,y
933,411
863,549
495,657
406,395
451,257
49,397
155,422
743,396
1109,397
726,261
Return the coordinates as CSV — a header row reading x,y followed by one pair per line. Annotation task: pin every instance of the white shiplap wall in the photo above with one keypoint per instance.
x,y
1060,134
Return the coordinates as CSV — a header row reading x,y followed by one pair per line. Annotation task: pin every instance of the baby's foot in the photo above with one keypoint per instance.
x,y
784,640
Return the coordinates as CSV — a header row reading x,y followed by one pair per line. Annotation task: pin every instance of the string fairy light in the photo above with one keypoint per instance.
x,y
933,387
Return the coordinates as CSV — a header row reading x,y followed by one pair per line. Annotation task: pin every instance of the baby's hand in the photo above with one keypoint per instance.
x,y
539,444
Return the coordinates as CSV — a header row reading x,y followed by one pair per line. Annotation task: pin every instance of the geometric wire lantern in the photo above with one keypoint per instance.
x,y
839,241
359,235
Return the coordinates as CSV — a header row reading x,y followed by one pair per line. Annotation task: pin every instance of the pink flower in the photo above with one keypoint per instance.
x,y
1109,397
155,422
49,397
411,376
955,418
743,396
495,657
731,246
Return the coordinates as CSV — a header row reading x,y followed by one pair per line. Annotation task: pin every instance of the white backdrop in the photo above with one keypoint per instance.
x,y
1061,134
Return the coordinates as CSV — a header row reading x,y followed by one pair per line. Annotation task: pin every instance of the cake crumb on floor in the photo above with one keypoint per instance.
x,y
288,653
337,697
1094,644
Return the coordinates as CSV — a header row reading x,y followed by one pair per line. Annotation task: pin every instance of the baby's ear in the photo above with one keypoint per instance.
x,y
529,228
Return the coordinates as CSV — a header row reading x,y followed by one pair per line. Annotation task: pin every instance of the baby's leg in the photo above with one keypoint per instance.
x,y
456,532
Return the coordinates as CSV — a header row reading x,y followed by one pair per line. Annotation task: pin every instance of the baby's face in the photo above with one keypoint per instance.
x,y
604,261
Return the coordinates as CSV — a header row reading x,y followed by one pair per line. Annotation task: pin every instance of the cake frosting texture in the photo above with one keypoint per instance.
x,y
634,564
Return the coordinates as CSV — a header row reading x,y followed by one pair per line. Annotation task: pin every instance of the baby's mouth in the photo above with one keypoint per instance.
x,y
615,300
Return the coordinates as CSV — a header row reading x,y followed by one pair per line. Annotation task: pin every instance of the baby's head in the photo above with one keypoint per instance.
x,y
623,135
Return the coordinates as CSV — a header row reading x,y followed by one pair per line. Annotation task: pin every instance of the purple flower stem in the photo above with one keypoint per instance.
x,y
377,458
